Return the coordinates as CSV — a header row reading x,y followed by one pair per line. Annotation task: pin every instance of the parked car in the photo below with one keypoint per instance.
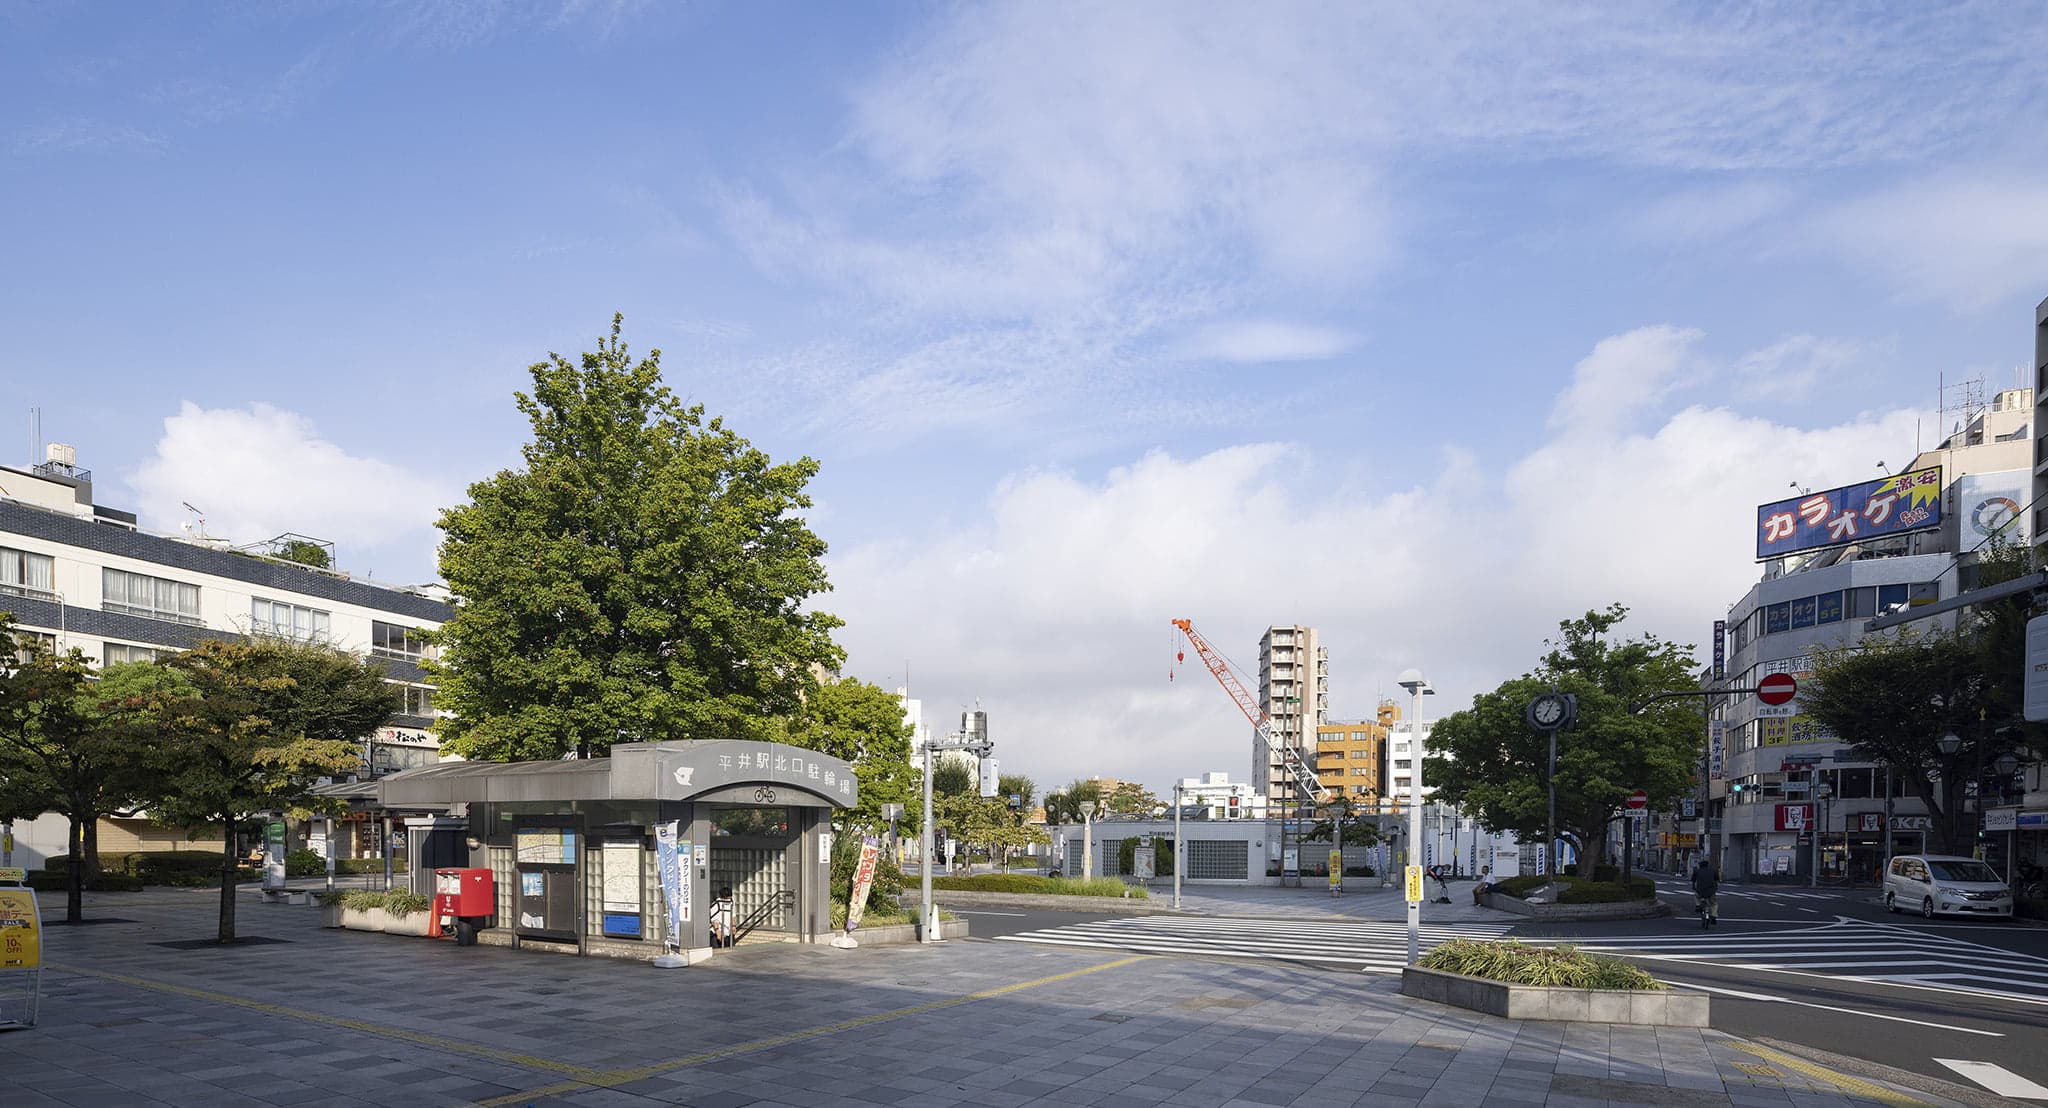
x,y
1938,884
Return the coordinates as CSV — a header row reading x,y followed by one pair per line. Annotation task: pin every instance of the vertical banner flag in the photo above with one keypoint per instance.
x,y
666,859
863,883
1720,648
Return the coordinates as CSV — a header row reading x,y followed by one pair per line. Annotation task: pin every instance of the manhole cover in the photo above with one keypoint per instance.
x,y
1111,1017
215,944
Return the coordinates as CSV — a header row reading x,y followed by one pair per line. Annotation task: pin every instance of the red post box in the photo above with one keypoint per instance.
x,y
463,899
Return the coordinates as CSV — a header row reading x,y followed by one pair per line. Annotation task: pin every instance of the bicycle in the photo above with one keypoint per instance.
x,y
1703,906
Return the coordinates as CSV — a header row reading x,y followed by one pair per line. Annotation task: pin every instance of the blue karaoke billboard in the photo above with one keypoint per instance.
x,y
1852,513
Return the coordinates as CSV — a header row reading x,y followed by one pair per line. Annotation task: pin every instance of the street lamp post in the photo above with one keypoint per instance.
x,y
980,748
1176,845
1418,687
1087,839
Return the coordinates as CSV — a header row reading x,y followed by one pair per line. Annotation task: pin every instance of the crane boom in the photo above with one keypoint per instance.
x,y
1305,779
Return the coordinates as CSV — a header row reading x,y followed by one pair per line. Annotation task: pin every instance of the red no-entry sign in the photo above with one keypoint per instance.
x,y
1638,799
1777,688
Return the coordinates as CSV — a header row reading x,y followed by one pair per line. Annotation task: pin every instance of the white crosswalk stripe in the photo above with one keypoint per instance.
x,y
1770,892
1367,945
1855,950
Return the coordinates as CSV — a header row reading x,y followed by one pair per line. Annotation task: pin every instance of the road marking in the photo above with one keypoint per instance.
x,y
641,1073
1842,1081
419,1037
1997,1078
1742,995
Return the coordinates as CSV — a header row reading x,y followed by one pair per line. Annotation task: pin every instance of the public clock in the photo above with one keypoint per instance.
x,y
1548,712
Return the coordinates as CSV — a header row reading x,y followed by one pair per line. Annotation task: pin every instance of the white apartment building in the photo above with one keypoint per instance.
x,y
82,575
1294,692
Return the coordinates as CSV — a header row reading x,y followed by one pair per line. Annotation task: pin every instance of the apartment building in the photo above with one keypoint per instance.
x,y
1294,691
77,574
1351,756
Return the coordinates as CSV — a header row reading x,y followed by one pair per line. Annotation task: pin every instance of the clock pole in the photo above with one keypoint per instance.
x,y
1552,712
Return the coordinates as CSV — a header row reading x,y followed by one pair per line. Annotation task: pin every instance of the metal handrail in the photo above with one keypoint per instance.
x,y
783,900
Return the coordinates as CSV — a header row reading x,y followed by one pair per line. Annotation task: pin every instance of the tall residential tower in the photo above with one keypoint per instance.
x,y
1294,691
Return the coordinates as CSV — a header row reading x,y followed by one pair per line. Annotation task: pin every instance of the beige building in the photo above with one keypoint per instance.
x,y
1351,756
1294,692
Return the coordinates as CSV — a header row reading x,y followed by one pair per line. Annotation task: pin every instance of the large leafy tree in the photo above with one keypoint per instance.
x,y
1486,759
265,721
641,577
1131,799
864,725
1064,806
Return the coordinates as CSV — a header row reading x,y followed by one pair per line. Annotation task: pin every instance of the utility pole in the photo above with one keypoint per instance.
x,y
981,748
1418,687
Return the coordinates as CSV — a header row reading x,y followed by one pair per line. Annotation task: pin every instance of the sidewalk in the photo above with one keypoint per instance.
x,y
135,1014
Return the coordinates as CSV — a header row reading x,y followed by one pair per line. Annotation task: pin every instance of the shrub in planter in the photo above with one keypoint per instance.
x,y
1031,883
43,881
1521,964
1608,892
304,863
403,902
1606,873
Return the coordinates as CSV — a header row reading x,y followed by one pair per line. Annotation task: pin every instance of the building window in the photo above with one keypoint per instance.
x,y
390,640
276,619
416,700
26,641
25,574
116,652
137,594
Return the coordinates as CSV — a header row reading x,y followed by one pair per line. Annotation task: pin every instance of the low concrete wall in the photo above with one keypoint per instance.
x,y
899,934
1641,1008
953,898
1625,909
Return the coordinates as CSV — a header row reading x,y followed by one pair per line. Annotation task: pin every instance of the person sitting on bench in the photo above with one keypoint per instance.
x,y
1483,886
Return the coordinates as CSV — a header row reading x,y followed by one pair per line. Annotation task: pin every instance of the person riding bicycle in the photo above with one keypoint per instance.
x,y
1706,885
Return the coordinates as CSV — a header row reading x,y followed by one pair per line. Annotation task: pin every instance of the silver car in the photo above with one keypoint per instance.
x,y
1938,884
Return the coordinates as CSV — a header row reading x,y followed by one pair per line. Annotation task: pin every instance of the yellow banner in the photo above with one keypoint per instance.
x,y
1415,884
1336,869
21,930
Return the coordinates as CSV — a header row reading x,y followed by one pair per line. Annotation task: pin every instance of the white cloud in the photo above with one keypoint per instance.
x,y
1052,606
1265,340
1790,368
1616,384
1707,215
1965,240
260,471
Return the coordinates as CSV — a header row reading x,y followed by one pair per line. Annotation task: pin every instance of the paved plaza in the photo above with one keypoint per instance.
x,y
136,1014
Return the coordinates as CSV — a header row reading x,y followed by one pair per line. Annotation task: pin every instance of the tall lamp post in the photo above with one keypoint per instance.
x,y
1418,687
1177,855
1087,839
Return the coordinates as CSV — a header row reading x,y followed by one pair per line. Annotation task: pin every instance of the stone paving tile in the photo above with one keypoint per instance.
x,y
1303,1037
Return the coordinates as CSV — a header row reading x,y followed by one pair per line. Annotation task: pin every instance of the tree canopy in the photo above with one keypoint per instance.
x,y
1064,806
265,721
1487,760
863,724
643,576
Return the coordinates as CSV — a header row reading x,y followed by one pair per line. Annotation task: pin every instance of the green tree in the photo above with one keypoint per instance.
x,y
642,576
1131,799
1064,807
267,720
951,777
306,553
988,825
1893,697
1023,788
1486,759
863,724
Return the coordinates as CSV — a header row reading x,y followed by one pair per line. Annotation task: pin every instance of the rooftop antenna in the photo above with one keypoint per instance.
x,y
197,524
1885,468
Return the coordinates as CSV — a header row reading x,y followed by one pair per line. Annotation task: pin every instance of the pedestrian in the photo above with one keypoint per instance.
x,y
1483,886
1706,885
722,918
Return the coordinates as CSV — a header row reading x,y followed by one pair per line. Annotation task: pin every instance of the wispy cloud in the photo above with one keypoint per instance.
x,y
1256,341
1967,240
88,136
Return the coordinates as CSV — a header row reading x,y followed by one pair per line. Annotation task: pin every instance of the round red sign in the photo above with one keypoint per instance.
x,y
1638,799
1777,688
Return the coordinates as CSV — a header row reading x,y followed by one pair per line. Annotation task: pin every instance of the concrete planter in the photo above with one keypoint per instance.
x,y
956,898
413,923
898,934
363,919
1622,909
1640,1008
330,915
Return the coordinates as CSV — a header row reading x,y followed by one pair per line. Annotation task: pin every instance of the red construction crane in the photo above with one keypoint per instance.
x,y
1305,780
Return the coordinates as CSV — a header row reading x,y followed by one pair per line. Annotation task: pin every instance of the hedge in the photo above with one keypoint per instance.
x,y
43,881
1521,964
1044,886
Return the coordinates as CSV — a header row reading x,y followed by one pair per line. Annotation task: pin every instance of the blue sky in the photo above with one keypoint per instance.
x,y
1429,324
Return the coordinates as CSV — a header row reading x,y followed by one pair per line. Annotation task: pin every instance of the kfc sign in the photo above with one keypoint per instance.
x,y
1795,817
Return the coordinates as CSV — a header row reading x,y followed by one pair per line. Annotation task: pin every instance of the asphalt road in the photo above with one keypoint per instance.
x,y
1832,970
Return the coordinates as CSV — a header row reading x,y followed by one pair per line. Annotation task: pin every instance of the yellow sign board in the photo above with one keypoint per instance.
x,y
1336,869
13,875
21,930
1414,884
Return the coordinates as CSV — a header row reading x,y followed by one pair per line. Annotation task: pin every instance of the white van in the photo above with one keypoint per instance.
x,y
1936,884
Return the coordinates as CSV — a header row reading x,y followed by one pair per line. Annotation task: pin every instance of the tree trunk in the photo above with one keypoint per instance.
x,y
74,875
92,845
227,881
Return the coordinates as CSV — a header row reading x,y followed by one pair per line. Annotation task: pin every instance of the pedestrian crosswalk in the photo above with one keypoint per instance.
x,y
1853,950
1357,945
1769,892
